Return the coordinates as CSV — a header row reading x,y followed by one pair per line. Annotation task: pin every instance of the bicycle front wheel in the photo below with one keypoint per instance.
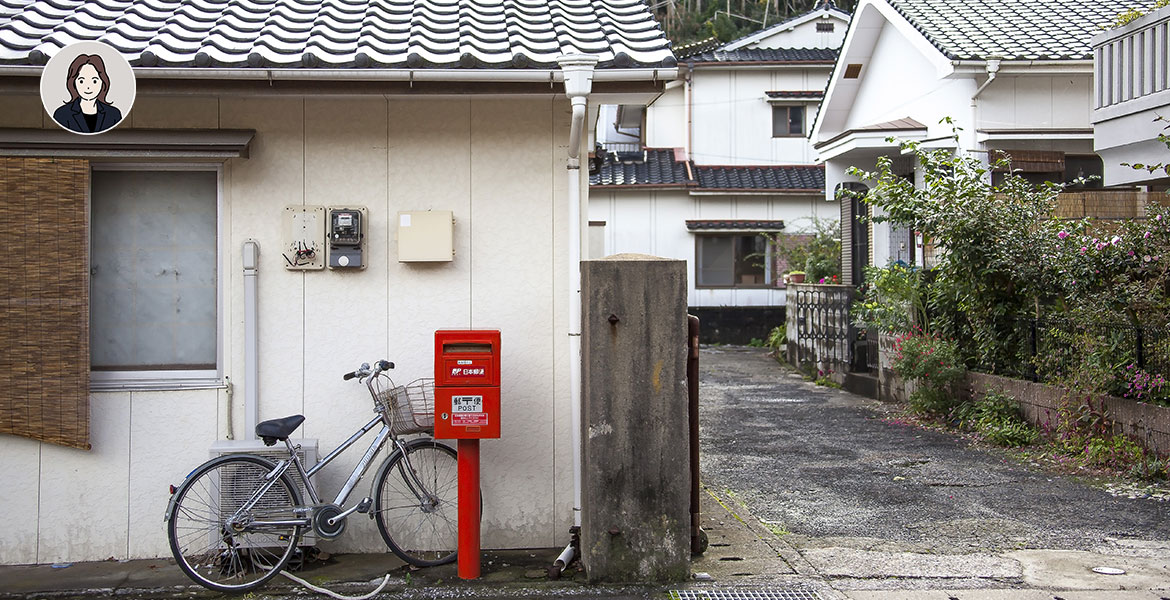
x,y
416,504
222,547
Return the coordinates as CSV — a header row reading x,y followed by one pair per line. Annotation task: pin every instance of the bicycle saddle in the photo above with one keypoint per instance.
x,y
278,429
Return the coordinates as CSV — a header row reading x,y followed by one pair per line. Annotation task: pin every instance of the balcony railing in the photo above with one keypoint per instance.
x,y
1133,61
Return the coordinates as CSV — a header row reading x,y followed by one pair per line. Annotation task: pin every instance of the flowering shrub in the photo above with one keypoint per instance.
x,y
1144,385
933,364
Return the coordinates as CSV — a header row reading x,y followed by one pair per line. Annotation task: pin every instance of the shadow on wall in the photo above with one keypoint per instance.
x,y
736,325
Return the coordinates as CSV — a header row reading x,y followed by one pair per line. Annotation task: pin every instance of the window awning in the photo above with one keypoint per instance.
x,y
190,144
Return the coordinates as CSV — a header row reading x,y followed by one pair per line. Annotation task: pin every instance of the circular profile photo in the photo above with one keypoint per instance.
x,y
88,88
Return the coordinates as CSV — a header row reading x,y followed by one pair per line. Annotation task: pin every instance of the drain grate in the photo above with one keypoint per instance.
x,y
744,595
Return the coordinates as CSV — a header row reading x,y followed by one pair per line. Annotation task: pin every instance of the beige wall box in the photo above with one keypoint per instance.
x,y
345,236
426,236
303,245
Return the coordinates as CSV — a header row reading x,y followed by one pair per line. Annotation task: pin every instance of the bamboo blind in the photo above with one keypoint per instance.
x,y
44,278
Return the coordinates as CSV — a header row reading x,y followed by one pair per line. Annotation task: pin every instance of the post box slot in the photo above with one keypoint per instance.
x,y
467,347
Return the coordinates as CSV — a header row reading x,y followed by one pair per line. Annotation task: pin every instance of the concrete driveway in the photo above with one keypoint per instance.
x,y
852,495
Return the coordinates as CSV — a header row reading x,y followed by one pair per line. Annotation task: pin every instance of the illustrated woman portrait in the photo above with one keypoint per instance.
x,y
87,111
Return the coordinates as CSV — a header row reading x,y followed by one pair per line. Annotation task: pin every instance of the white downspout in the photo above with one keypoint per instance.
x,y
578,73
992,71
251,340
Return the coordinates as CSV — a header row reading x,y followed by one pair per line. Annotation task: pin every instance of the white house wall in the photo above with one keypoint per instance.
x,y
654,222
899,82
1036,102
732,119
497,163
666,120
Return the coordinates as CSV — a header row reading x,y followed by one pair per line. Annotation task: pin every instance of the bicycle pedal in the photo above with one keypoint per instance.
x,y
364,506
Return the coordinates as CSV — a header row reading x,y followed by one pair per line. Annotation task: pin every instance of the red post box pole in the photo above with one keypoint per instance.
x,y
469,507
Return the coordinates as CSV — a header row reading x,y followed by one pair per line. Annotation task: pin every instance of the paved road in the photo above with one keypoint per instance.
x,y
837,476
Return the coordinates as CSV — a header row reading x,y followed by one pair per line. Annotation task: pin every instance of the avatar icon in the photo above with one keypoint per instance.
x,y
88,110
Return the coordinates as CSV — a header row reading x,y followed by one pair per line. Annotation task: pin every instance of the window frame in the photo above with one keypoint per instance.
x,y
170,379
769,259
788,120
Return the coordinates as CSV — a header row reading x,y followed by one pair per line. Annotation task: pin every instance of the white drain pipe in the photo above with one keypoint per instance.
x,y
251,340
578,73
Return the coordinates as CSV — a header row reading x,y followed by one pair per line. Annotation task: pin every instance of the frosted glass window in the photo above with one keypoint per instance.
x,y
153,270
733,261
716,261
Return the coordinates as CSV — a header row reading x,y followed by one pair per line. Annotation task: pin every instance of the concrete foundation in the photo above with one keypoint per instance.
x,y
636,478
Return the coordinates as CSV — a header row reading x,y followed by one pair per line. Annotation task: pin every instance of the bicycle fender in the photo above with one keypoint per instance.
x,y
175,496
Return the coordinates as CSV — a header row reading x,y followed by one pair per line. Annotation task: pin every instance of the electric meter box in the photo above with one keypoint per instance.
x,y
467,384
345,233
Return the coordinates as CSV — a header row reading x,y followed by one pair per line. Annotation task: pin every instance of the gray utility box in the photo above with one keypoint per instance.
x,y
635,512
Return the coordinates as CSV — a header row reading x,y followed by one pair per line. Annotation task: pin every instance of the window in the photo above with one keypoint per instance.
x,y
154,259
733,261
787,121
825,27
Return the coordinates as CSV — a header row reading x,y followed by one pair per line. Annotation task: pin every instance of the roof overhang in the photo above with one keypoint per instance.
x,y
755,192
125,144
991,135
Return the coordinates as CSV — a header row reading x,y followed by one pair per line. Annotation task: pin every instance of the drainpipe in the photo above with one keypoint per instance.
x,y
578,74
992,71
251,340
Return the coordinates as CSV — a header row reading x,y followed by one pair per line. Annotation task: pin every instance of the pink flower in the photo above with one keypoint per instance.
x,y
1158,218
1115,240
1083,249
1146,235
1146,258
1062,235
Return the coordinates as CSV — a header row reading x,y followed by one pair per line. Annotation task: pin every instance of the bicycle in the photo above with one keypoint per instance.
x,y
236,520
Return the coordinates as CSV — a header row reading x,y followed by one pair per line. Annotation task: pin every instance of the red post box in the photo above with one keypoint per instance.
x,y
467,384
467,408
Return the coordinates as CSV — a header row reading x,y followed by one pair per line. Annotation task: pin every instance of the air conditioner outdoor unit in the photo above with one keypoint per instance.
x,y
231,494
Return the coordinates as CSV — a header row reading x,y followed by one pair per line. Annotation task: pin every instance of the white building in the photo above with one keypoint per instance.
x,y
723,157
241,118
1013,76
1132,88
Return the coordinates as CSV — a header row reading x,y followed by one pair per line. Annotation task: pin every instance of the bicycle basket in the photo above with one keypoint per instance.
x,y
409,408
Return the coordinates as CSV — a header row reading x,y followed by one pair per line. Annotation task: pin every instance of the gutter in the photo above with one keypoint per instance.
x,y
358,74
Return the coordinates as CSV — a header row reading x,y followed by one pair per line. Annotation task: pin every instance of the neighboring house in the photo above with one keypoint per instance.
x,y
1132,89
126,318
721,157
1013,76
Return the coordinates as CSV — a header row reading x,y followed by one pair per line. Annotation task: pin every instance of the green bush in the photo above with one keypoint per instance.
x,y
997,417
933,364
777,338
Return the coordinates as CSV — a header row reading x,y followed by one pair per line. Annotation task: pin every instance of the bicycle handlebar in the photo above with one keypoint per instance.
x,y
364,370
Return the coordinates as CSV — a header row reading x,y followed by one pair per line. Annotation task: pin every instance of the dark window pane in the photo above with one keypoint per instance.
x,y
796,120
716,261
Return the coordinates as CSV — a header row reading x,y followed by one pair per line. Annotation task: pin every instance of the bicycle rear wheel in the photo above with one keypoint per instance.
x,y
419,525
220,549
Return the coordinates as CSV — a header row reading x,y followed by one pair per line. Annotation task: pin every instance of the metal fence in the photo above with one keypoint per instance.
x,y
1044,349
819,331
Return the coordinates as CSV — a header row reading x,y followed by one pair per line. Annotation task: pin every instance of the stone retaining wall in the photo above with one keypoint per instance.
x,y
1146,423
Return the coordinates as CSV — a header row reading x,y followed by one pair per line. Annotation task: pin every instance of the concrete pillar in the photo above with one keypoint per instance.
x,y
636,475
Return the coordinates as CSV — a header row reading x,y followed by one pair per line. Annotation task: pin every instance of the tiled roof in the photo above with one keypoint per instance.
x,y
767,55
659,168
339,33
796,94
1011,29
699,47
737,224
786,177
654,167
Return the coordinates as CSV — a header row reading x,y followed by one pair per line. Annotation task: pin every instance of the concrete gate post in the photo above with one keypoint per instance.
x,y
636,477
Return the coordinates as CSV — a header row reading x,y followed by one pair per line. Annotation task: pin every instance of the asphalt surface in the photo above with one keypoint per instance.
x,y
826,468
